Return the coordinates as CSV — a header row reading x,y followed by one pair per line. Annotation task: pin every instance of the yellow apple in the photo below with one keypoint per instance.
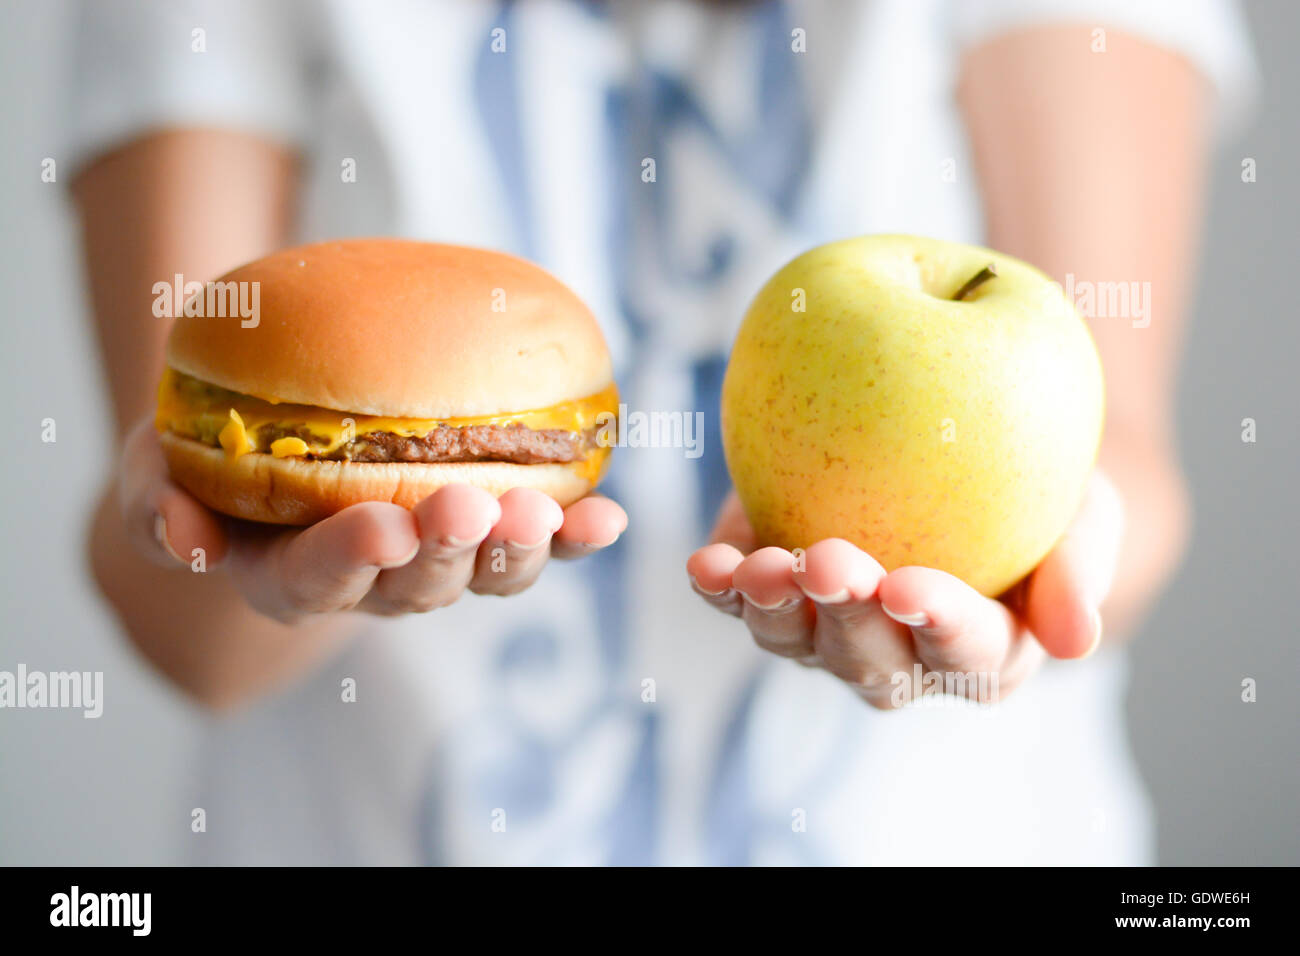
x,y
876,393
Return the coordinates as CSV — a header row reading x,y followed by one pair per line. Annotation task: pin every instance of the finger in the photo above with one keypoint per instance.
x,y
838,574
710,570
327,567
776,612
593,523
955,628
1064,594
1024,657
732,526
452,523
855,640
164,523
517,547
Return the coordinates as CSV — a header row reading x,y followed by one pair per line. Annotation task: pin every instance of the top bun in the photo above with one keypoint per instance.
x,y
400,328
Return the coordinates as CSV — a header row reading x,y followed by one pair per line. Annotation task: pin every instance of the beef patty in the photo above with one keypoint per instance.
x,y
447,443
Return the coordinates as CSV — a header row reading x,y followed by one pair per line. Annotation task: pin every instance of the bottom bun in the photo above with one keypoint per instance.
x,y
297,491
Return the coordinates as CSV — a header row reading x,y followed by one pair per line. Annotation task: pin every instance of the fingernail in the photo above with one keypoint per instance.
x,y
588,547
160,532
707,593
784,604
839,597
460,544
919,619
389,565
527,547
1096,634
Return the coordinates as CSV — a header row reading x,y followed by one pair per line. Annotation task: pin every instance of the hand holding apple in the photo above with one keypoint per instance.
x,y
921,418
838,609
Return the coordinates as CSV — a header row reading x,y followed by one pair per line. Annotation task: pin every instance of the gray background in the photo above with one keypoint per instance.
x,y
1224,774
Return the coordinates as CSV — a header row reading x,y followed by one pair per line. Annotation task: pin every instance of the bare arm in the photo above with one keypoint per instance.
x,y
1092,165
196,203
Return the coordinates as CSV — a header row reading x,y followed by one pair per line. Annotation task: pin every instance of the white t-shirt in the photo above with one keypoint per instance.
x,y
663,160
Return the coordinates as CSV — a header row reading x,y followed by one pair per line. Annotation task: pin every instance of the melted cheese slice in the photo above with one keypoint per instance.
x,y
216,416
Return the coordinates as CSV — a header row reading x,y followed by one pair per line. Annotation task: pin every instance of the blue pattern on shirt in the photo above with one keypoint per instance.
x,y
641,118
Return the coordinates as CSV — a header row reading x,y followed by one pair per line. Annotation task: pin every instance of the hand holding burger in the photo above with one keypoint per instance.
x,y
433,412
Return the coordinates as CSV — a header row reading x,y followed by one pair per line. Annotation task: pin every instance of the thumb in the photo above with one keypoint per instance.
x,y
732,527
164,522
1065,593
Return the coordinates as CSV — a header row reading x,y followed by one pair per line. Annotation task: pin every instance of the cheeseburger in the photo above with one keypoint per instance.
x,y
381,370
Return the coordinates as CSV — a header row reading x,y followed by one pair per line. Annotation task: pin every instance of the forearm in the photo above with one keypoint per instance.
x,y
1157,508
195,203
1091,167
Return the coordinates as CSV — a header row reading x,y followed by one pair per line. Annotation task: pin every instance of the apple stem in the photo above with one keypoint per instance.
x,y
990,271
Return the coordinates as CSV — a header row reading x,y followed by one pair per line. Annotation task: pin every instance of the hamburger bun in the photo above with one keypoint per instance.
x,y
400,328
